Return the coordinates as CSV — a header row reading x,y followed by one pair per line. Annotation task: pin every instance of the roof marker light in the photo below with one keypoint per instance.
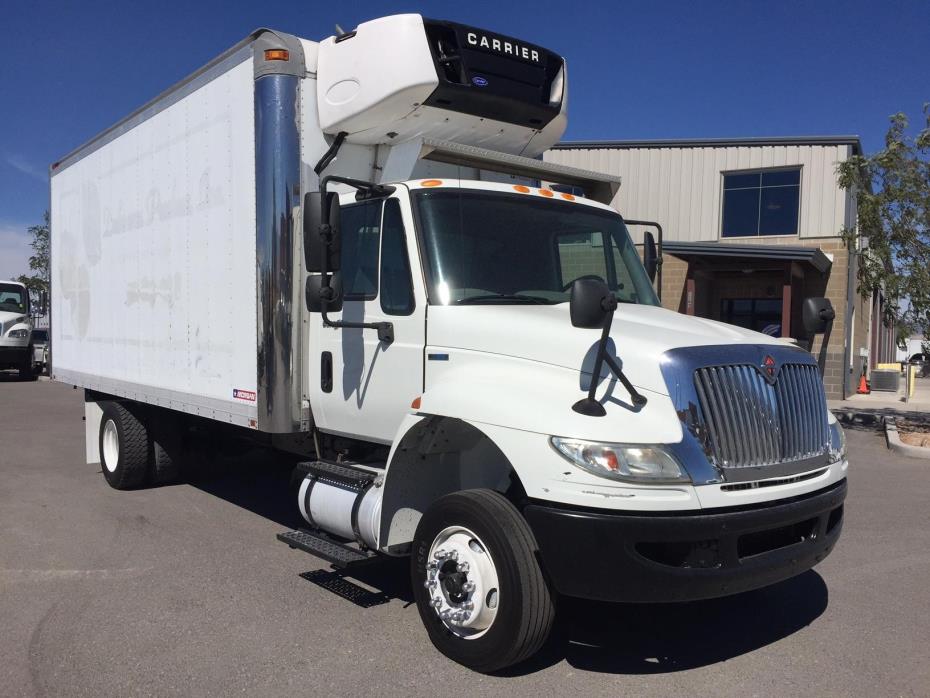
x,y
546,192
431,183
277,54
568,197
520,188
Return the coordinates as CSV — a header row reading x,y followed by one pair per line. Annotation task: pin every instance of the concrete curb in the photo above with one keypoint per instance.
x,y
895,444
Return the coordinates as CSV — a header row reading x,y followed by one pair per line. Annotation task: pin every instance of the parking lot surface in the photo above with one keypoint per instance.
x,y
183,590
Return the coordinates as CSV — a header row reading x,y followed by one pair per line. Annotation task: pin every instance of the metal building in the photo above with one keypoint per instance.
x,y
752,226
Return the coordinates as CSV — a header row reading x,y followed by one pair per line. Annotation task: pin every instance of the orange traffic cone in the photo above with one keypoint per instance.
x,y
863,388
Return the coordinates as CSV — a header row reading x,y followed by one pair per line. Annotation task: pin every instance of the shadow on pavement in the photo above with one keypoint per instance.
x,y
665,638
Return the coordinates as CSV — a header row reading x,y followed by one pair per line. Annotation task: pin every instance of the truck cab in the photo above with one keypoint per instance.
x,y
16,329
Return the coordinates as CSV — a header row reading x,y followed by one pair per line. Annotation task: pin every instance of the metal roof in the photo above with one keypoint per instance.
x,y
784,253
852,140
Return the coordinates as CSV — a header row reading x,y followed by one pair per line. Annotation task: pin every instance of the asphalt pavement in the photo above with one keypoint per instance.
x,y
183,590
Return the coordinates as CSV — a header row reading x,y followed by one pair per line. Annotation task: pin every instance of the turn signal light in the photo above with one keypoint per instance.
x,y
416,403
277,54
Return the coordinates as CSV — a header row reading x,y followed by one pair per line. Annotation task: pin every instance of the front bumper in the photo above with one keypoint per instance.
x,y
13,355
688,556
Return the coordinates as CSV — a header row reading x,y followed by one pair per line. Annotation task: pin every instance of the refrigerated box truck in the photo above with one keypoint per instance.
x,y
350,250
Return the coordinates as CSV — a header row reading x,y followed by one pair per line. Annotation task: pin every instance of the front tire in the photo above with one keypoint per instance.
x,y
26,373
478,587
124,447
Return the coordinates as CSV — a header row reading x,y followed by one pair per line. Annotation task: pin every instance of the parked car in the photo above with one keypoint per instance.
x,y
922,361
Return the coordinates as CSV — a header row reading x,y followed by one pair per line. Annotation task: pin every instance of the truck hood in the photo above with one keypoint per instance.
x,y
8,319
640,335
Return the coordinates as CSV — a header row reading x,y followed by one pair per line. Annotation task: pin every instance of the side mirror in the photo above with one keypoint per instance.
x,y
321,232
591,303
314,293
650,255
816,315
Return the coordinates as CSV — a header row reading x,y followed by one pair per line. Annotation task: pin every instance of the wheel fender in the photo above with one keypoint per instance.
x,y
433,456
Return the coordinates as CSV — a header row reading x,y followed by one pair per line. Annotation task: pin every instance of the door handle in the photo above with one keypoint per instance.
x,y
326,371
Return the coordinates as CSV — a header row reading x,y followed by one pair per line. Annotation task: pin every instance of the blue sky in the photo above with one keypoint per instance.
x,y
636,70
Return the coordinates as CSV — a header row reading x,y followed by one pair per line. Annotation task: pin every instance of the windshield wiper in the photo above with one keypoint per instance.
x,y
504,297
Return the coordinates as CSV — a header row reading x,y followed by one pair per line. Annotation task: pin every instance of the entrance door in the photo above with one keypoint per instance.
x,y
361,386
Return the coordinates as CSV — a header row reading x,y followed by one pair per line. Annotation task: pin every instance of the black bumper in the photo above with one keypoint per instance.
x,y
13,356
683,557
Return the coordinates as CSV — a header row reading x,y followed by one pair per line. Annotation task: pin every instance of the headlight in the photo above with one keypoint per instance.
x,y
18,334
625,462
837,442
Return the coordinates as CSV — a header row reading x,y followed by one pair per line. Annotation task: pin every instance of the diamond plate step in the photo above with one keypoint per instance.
x,y
323,546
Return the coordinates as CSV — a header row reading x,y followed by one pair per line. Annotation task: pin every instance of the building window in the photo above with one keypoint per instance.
x,y
761,203
759,314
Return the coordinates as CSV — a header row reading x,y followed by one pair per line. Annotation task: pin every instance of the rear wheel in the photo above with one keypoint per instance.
x,y
124,447
479,589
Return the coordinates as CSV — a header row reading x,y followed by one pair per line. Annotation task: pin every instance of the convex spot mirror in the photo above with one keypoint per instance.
x,y
650,255
314,293
591,303
322,243
816,315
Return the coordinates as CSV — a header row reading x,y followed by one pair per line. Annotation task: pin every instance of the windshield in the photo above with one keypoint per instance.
x,y
489,247
12,298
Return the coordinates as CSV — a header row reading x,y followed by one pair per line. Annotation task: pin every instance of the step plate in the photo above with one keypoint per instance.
x,y
339,475
322,546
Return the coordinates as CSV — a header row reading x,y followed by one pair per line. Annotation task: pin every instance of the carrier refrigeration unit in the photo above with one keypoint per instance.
x,y
349,250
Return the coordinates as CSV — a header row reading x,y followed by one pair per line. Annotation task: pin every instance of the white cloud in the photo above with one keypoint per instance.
x,y
26,167
14,251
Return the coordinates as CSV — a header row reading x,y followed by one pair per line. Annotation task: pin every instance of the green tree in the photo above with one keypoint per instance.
x,y
38,281
892,189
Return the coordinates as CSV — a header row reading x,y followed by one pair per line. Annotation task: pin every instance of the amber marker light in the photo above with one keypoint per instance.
x,y
568,197
277,54
520,188
416,403
546,192
431,183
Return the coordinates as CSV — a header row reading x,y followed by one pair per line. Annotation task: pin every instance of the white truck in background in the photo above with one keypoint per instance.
x,y
16,327
349,250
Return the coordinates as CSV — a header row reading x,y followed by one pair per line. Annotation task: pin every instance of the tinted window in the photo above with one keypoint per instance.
x,y
361,229
12,298
396,285
761,203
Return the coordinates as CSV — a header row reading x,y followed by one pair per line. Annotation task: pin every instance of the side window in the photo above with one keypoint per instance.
x,y
396,284
361,230
581,254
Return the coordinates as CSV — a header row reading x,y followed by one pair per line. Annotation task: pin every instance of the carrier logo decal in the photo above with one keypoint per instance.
x,y
240,394
502,46
479,81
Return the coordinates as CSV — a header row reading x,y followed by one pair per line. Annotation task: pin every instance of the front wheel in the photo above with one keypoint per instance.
x,y
26,373
479,589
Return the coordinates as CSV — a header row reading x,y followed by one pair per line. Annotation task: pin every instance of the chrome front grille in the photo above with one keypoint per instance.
x,y
750,422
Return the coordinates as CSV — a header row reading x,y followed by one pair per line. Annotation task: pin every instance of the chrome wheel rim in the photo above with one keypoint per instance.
x,y
110,446
462,582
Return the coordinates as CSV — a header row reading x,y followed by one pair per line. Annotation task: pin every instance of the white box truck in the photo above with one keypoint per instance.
x,y
350,249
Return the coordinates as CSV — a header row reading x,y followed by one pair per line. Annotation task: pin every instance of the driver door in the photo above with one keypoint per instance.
x,y
360,386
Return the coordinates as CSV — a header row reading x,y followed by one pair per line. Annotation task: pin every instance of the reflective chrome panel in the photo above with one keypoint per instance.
x,y
277,196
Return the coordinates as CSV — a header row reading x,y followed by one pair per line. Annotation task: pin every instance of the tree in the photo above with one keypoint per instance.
x,y
892,189
38,281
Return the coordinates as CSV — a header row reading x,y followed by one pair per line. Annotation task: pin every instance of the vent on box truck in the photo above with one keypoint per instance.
x,y
494,76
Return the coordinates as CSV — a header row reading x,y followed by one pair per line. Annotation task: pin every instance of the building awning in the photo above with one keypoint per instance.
x,y
781,253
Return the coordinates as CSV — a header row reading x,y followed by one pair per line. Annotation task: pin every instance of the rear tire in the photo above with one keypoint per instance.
x,y
511,611
124,447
